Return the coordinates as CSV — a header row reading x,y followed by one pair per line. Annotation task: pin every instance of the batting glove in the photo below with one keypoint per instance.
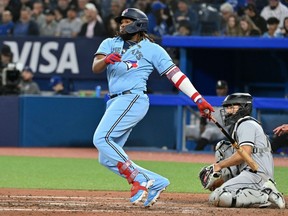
x,y
204,107
112,58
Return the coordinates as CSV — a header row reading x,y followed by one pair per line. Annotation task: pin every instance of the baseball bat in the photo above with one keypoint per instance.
x,y
246,157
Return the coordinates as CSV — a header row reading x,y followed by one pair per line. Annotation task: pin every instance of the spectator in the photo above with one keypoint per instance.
x,y
6,56
204,132
221,88
284,29
63,7
142,5
14,7
70,26
275,9
58,15
157,20
49,27
57,85
52,4
7,25
185,12
25,26
226,10
280,139
37,13
209,20
248,28
183,29
26,3
273,30
111,26
259,21
116,7
232,27
168,12
94,25
81,4
280,130
27,85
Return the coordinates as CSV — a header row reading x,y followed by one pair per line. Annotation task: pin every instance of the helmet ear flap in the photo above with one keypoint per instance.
x,y
136,26
140,20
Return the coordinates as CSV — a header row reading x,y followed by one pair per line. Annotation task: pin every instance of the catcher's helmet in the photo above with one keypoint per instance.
x,y
140,20
244,100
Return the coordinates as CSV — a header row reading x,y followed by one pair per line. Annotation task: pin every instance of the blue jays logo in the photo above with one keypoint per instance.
x,y
131,64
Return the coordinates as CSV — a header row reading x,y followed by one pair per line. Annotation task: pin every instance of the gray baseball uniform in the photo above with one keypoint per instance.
x,y
248,131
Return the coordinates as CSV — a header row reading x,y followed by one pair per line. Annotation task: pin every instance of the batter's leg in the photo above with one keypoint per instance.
x,y
111,134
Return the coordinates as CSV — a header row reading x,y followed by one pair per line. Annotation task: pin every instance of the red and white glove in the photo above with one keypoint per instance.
x,y
112,58
204,107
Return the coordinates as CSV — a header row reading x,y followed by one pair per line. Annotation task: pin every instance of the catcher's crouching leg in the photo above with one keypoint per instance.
x,y
243,197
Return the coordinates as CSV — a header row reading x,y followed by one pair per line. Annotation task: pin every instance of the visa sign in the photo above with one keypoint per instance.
x,y
46,57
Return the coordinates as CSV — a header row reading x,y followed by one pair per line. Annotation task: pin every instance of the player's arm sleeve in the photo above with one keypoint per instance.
x,y
165,66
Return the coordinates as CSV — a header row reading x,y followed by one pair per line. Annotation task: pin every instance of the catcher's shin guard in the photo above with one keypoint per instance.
x,y
129,172
244,197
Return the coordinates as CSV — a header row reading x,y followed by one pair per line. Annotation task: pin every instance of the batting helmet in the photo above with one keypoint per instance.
x,y
140,20
244,100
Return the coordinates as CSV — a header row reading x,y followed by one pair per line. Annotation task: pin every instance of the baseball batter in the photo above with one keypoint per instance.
x,y
129,59
242,187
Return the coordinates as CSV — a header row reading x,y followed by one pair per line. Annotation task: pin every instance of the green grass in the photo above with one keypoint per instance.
x,y
88,174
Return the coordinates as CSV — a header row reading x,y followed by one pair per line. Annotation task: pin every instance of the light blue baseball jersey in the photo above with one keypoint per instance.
x,y
138,62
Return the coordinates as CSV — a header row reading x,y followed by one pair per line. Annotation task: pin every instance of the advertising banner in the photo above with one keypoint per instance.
x,y
70,58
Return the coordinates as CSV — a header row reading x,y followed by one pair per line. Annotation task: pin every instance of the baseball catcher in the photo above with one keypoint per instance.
x,y
232,182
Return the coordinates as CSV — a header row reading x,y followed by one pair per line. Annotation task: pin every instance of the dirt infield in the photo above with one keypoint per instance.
x,y
15,202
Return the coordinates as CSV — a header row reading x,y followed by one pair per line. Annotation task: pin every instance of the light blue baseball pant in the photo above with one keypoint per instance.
x,y
122,114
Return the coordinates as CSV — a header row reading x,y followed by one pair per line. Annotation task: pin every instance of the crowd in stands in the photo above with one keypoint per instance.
x,y
84,18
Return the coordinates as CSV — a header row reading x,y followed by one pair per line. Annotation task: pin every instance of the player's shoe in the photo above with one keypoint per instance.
x,y
274,195
155,191
139,191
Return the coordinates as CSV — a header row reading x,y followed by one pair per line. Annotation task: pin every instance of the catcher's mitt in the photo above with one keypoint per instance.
x,y
210,179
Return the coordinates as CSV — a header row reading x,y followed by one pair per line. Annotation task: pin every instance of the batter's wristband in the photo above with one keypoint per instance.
x,y
195,97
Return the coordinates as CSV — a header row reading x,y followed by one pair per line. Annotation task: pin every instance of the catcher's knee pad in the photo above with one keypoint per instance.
x,y
221,197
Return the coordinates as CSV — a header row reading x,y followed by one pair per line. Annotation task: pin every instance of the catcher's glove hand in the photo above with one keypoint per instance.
x,y
209,178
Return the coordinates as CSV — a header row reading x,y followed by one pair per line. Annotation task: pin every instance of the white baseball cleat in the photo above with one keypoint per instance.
x,y
274,195
139,191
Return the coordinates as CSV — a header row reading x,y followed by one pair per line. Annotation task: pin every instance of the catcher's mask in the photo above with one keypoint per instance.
x,y
244,100
140,20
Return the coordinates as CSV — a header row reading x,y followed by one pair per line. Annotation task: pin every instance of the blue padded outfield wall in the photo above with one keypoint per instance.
x,y
59,121
9,123
69,121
